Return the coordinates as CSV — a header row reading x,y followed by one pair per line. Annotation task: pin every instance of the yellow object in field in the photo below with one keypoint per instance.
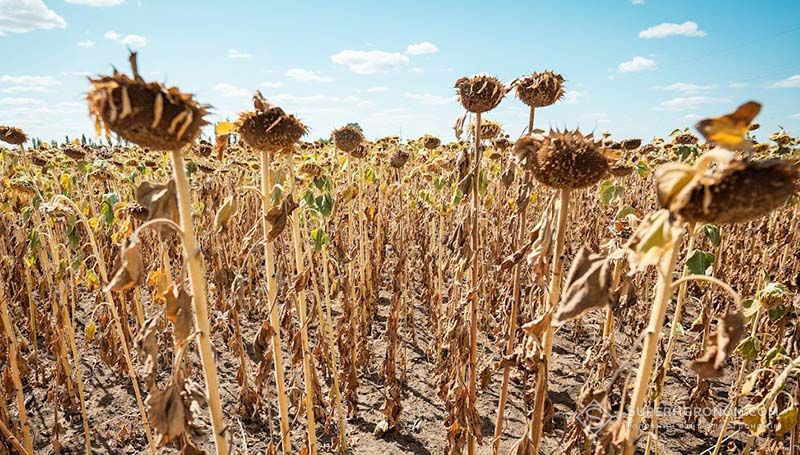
x,y
730,130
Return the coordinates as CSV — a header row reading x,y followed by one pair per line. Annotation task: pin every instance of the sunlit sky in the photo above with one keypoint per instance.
x,y
638,68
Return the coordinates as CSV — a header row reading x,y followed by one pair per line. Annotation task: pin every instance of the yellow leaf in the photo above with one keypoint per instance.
x,y
787,420
224,128
90,330
94,222
92,282
66,183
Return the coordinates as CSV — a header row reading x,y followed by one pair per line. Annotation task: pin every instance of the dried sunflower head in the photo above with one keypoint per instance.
x,y
489,129
431,142
12,135
347,138
399,159
145,113
480,93
563,160
269,128
540,89
734,191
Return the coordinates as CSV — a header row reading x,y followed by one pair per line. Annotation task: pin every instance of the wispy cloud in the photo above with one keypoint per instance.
x,y
684,87
666,29
320,99
301,75
429,99
23,16
637,2
423,48
795,116
86,43
231,91
11,101
377,89
97,3
686,103
26,83
637,64
737,84
271,84
572,96
236,54
789,82
131,40
370,62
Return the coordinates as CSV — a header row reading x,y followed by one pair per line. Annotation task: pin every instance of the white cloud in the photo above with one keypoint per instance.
x,y
425,47
685,103
271,84
127,40
692,116
666,29
86,43
637,64
20,102
429,99
417,69
301,75
231,91
637,2
795,116
25,83
789,82
22,16
572,96
597,117
319,99
236,54
97,3
737,84
377,89
684,87
370,62
76,73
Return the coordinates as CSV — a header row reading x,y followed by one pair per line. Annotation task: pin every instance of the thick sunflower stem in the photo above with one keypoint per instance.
x,y
537,422
274,314
473,294
197,282
657,315
303,315
13,351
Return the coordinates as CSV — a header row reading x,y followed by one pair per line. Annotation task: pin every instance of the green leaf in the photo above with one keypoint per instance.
x,y
774,355
642,169
610,191
700,262
750,307
320,239
324,204
777,312
713,234
749,348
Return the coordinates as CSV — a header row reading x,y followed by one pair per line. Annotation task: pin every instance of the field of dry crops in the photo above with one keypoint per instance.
x,y
257,294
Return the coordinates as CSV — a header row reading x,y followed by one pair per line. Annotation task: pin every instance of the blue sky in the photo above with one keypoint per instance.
x,y
638,68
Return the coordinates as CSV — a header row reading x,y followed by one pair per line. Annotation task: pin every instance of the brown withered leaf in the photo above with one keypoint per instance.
x,y
159,199
224,214
131,271
516,257
588,286
172,411
261,343
179,313
147,345
278,216
730,329
301,281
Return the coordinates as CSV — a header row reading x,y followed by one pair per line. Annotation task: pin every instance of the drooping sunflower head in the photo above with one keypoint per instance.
x,y
12,135
563,159
480,93
347,138
269,128
145,113
540,89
